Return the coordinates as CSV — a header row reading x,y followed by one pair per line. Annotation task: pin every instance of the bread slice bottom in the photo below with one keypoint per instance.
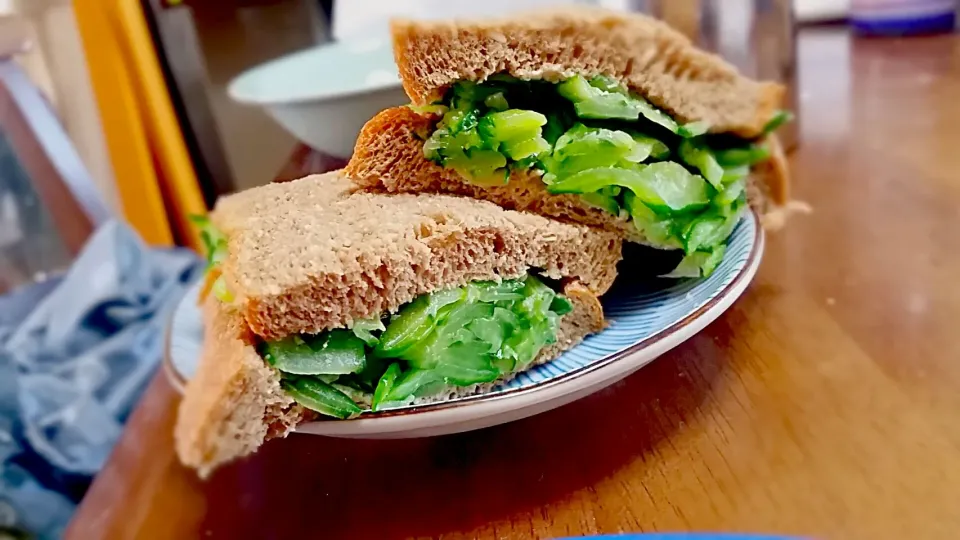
x,y
389,157
234,402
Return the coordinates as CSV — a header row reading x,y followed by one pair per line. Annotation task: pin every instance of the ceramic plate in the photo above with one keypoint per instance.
x,y
646,320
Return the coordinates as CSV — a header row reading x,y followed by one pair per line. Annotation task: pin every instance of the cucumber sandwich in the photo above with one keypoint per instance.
x,y
607,119
322,303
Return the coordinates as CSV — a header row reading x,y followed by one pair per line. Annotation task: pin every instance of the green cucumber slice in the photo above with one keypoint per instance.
x,y
577,89
664,186
337,352
497,102
608,106
319,396
656,116
693,129
413,384
779,118
738,157
414,322
702,158
511,125
385,386
517,150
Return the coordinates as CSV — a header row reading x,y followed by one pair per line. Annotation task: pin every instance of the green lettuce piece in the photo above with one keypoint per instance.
x,y
603,201
220,290
336,352
658,228
364,330
492,291
319,396
699,264
496,102
731,193
708,231
214,241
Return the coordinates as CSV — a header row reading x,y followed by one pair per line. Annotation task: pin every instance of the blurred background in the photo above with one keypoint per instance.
x,y
183,56
149,110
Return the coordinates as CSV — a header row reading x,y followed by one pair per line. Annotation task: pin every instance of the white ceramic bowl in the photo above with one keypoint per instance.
x,y
325,94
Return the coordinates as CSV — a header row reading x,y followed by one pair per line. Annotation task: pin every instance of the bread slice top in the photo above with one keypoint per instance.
x,y
647,55
312,254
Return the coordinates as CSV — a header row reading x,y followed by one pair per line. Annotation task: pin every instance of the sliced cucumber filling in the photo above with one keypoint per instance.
x,y
678,184
453,338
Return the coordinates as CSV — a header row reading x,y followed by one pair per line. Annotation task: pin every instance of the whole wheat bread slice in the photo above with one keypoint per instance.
x,y
234,402
389,157
310,255
647,55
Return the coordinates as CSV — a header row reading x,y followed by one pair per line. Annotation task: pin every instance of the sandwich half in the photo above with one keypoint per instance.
x,y
323,303
590,116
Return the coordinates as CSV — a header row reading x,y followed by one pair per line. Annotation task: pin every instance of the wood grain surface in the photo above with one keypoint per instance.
x,y
826,402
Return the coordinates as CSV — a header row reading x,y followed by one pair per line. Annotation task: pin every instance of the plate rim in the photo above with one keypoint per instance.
x,y
723,299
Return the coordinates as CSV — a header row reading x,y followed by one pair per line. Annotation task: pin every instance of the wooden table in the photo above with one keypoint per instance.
x,y
826,402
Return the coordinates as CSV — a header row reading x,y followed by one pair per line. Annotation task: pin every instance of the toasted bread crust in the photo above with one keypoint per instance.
x,y
234,402
332,256
647,55
389,157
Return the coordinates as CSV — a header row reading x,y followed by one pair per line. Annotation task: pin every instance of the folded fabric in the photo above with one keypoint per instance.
x,y
73,363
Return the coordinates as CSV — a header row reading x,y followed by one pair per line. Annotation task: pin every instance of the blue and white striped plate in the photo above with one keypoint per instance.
x,y
646,319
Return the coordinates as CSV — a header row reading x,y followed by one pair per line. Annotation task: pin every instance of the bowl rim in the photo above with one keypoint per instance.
x,y
237,93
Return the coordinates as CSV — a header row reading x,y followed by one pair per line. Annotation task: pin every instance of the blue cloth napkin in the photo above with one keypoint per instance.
x,y
75,355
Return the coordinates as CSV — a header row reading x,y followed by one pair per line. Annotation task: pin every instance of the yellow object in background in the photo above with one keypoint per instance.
x,y
156,181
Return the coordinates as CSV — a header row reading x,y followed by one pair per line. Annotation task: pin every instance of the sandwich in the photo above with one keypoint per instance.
x,y
584,115
325,303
